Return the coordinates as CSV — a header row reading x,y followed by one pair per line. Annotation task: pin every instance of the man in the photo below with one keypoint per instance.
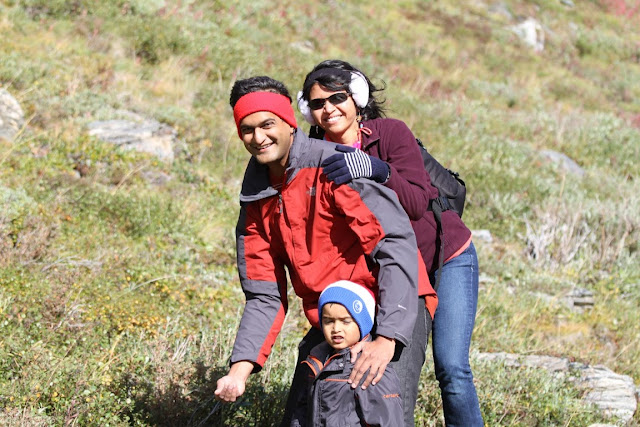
x,y
293,218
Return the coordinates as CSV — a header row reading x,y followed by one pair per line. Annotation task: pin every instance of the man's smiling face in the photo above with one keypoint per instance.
x,y
268,138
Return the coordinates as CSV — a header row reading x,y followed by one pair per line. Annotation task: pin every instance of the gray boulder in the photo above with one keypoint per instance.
x,y
613,394
531,33
11,116
146,135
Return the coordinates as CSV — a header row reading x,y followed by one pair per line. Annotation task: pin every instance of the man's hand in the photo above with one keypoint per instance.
x,y
374,357
231,386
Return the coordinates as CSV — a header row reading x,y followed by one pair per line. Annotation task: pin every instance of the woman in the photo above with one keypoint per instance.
x,y
338,100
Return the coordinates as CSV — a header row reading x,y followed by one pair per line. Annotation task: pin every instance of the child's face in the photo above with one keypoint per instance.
x,y
338,327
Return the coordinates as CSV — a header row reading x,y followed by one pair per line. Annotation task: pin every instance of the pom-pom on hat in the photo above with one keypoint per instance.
x,y
357,299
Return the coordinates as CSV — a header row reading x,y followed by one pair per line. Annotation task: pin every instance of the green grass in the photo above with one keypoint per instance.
x,y
119,297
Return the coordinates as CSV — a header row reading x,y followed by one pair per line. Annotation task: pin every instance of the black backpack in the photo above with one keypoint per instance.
x,y
451,188
452,192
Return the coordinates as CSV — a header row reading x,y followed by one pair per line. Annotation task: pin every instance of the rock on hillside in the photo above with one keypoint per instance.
x,y
144,135
11,116
563,161
613,393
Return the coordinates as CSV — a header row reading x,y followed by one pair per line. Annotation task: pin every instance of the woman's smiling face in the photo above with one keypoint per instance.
x,y
338,121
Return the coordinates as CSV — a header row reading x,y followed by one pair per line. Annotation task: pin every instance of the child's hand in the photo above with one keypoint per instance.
x,y
232,385
374,357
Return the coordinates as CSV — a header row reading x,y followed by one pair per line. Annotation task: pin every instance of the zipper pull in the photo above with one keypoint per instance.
x,y
280,203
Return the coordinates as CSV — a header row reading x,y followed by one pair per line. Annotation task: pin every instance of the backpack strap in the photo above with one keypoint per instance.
x,y
437,206
451,196
441,203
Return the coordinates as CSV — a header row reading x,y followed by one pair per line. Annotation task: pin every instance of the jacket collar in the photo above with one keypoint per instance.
x,y
329,359
373,138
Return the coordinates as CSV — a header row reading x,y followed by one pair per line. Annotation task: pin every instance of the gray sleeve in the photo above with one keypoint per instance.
x,y
266,302
396,253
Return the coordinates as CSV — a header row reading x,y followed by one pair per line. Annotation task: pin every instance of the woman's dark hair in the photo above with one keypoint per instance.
x,y
256,84
341,81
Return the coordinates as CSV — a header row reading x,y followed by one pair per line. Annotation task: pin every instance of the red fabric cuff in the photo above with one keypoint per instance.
x,y
253,102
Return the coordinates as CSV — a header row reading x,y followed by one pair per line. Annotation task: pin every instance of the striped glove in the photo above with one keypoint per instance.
x,y
351,163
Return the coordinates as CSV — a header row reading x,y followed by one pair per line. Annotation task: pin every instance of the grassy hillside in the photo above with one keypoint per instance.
x,y
119,297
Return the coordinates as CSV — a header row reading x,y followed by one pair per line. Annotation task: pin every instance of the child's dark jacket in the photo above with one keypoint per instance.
x,y
331,402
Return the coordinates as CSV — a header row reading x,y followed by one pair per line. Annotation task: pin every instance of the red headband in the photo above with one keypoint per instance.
x,y
253,102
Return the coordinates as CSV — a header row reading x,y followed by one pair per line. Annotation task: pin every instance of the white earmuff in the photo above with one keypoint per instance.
x,y
359,89
303,106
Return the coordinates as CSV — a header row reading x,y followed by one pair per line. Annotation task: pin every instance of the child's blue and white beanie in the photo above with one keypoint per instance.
x,y
357,299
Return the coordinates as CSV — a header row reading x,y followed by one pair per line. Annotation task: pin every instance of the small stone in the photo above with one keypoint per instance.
x,y
157,178
483,235
563,161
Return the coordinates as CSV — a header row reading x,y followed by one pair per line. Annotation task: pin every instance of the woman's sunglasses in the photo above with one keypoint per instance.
x,y
335,99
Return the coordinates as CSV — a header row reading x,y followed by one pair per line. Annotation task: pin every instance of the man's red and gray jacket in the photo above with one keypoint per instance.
x,y
321,233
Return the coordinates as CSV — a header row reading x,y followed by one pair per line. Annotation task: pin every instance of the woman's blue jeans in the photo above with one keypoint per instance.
x,y
452,328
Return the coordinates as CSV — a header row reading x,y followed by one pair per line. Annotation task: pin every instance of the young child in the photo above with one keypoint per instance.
x,y
346,317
